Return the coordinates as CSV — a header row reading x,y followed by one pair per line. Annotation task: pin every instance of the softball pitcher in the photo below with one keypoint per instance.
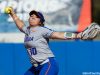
x,y
36,42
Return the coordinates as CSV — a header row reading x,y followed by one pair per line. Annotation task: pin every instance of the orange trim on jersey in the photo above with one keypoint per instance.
x,y
48,68
85,15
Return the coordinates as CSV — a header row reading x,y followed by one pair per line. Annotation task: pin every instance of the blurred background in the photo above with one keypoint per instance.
x,y
75,57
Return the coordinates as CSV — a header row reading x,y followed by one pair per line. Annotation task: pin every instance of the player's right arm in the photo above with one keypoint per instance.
x,y
19,23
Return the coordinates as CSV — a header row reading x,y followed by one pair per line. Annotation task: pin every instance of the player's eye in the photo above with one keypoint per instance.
x,y
31,18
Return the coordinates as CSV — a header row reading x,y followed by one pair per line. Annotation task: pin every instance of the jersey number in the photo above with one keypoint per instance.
x,y
33,51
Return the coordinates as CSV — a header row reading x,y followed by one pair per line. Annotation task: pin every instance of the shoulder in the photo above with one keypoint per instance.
x,y
46,28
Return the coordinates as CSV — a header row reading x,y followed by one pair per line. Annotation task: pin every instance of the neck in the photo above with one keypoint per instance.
x,y
33,26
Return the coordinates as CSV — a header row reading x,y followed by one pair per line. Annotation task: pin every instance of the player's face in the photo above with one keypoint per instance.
x,y
34,20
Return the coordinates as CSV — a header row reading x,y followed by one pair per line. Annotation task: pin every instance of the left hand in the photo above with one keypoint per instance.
x,y
78,36
90,32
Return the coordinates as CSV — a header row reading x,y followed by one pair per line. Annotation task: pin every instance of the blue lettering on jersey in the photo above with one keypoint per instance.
x,y
28,39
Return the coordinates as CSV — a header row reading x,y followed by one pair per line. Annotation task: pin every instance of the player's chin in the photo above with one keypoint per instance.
x,y
32,25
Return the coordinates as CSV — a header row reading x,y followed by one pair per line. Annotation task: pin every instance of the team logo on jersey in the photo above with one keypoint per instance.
x,y
28,39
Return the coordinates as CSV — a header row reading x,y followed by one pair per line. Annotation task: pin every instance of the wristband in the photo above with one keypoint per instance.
x,y
69,35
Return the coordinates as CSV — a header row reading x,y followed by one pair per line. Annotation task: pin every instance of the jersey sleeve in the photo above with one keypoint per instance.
x,y
46,32
24,30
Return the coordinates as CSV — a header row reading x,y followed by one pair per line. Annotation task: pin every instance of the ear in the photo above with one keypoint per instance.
x,y
40,23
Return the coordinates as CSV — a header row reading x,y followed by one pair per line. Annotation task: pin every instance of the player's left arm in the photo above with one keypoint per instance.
x,y
64,35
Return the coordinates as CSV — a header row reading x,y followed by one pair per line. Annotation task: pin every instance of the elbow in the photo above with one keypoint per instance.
x,y
20,28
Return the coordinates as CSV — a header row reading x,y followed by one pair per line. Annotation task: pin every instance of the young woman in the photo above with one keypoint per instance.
x,y
36,42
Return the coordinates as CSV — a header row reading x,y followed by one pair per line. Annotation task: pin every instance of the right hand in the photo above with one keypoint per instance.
x,y
9,10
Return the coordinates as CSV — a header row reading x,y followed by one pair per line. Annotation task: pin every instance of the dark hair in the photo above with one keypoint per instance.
x,y
39,15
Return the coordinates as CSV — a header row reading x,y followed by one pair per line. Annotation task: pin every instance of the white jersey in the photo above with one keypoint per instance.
x,y
36,42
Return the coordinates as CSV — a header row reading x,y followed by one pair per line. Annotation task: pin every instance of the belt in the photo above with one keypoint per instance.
x,y
47,60
38,63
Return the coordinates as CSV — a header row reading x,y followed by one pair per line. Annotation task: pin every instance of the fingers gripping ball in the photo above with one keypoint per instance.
x,y
8,10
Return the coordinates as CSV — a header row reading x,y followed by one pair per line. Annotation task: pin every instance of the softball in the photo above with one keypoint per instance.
x,y
8,10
